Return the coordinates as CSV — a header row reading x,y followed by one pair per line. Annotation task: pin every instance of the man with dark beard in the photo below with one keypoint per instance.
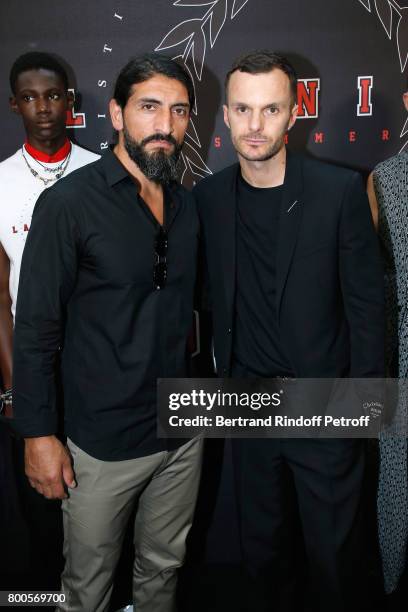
x,y
107,279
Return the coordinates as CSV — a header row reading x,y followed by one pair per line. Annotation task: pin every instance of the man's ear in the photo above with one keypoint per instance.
x,y
13,105
116,115
405,99
293,116
70,99
226,118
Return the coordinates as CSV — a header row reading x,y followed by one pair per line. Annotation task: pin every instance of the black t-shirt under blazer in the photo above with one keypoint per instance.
x,y
257,344
86,286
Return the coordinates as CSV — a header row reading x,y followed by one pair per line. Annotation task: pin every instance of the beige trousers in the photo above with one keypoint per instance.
x,y
165,487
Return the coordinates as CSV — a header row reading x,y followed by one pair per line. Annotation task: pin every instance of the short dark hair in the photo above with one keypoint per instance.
x,y
36,60
144,67
259,62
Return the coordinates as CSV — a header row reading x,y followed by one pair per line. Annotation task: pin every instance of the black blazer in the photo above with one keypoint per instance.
x,y
330,297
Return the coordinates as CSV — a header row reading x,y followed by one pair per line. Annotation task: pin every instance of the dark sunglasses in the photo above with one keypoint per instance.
x,y
160,265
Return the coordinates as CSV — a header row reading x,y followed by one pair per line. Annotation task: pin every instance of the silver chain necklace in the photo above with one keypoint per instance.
x,y
60,170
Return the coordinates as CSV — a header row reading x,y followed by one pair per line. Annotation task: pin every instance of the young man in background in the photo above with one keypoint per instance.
x,y
40,96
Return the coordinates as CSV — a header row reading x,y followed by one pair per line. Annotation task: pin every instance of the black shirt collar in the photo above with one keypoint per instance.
x,y
115,171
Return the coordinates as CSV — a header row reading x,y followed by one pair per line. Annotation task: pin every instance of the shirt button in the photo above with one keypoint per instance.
x,y
229,330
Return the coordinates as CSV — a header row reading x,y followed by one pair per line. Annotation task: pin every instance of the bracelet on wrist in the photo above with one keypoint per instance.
x,y
6,398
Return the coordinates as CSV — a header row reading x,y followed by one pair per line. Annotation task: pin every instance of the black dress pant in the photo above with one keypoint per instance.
x,y
43,518
326,476
13,532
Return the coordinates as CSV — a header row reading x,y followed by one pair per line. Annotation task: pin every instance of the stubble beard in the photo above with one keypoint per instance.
x,y
272,150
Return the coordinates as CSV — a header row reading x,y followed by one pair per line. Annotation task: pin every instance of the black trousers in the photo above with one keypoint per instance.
x,y
13,532
324,479
43,518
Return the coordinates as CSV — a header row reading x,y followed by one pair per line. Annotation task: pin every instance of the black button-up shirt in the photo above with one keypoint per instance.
x,y
86,291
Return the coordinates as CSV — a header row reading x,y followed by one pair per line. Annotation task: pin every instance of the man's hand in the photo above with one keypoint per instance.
x,y
8,411
48,466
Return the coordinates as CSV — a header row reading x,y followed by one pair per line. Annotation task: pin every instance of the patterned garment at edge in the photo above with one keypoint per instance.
x,y
391,187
